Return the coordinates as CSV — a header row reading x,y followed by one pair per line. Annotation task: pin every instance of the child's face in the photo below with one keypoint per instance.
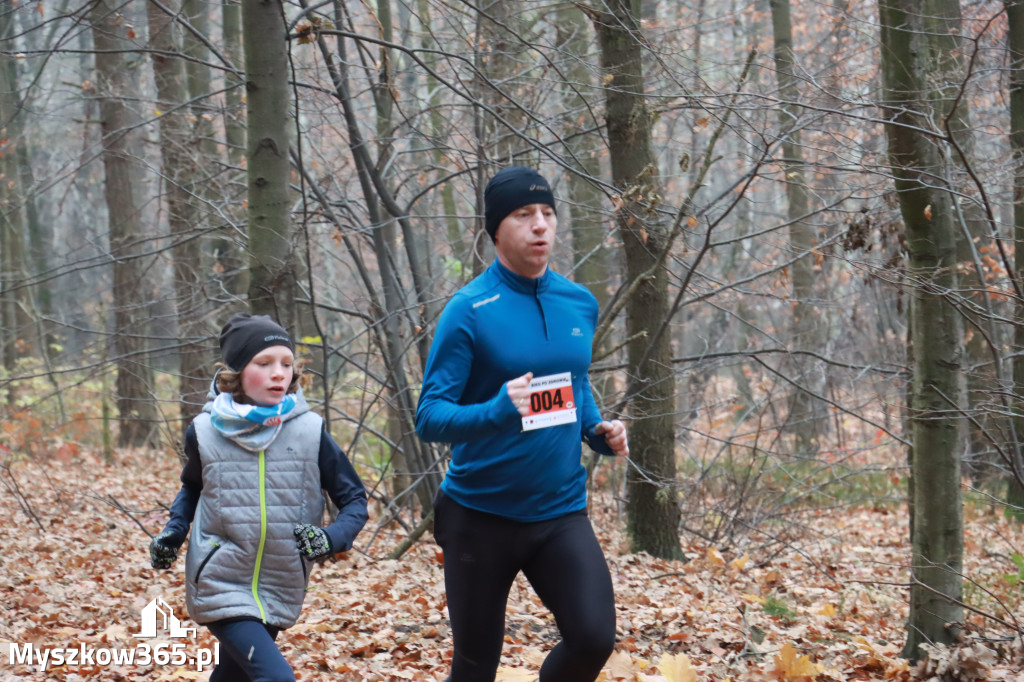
x,y
267,376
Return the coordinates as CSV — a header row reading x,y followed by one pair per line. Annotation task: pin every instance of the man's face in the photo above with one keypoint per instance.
x,y
524,239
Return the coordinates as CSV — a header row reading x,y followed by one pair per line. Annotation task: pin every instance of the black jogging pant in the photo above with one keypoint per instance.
x,y
563,562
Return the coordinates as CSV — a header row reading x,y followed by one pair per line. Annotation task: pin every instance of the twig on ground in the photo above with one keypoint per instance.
x,y
404,545
11,483
113,502
121,508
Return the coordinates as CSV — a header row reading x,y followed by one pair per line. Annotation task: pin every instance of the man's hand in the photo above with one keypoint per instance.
x,y
163,549
519,392
615,435
312,541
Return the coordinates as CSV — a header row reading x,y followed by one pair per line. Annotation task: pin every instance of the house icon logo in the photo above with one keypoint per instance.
x,y
158,614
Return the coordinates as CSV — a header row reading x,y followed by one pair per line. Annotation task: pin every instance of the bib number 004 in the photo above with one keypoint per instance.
x,y
551,402
545,401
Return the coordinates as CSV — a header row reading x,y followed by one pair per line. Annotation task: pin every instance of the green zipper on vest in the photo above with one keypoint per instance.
x,y
263,534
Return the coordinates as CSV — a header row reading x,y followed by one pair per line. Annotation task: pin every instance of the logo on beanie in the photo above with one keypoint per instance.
x,y
276,337
539,188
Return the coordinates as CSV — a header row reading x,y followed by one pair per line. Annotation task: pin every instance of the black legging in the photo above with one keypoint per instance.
x,y
563,561
249,653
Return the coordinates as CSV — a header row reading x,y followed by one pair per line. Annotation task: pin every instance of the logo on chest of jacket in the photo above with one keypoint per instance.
x,y
492,299
576,331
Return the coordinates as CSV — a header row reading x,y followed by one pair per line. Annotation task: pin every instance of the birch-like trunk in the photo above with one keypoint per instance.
x,y
1015,41
935,329
651,505
271,271
805,409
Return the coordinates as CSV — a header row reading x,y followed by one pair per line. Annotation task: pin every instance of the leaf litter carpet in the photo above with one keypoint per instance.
x,y
830,604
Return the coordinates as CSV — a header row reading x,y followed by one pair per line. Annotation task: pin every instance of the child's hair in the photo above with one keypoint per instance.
x,y
230,381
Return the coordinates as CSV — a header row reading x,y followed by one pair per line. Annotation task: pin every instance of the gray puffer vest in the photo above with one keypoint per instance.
x,y
242,560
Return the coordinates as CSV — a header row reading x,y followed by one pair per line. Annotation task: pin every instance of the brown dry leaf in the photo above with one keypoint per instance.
x,y
738,563
515,675
789,665
677,668
623,666
964,663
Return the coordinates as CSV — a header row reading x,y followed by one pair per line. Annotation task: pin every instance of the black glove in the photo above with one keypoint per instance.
x,y
163,550
312,542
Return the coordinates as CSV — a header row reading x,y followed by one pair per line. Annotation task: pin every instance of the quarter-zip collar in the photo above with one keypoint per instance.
x,y
526,285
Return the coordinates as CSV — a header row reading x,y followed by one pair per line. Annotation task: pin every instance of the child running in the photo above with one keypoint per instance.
x,y
257,460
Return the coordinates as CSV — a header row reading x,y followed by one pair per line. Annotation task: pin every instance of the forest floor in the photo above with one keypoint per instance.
x,y
75,575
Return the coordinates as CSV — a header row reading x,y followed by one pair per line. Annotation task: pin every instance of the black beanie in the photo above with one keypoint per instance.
x,y
512,188
246,335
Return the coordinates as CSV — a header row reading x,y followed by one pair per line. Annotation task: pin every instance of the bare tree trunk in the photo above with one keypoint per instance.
x,y
19,205
179,169
18,332
197,13
234,115
935,330
498,41
805,410
229,248
653,515
460,243
590,256
136,403
1015,40
947,54
500,31
213,186
387,248
40,234
18,336
272,276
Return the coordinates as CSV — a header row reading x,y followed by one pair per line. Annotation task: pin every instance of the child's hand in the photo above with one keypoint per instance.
x,y
163,549
312,542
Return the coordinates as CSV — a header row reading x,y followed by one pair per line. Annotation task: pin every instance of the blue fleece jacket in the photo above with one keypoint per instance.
x,y
496,328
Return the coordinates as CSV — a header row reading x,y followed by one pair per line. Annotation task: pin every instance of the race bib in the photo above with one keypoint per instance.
x,y
551,402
